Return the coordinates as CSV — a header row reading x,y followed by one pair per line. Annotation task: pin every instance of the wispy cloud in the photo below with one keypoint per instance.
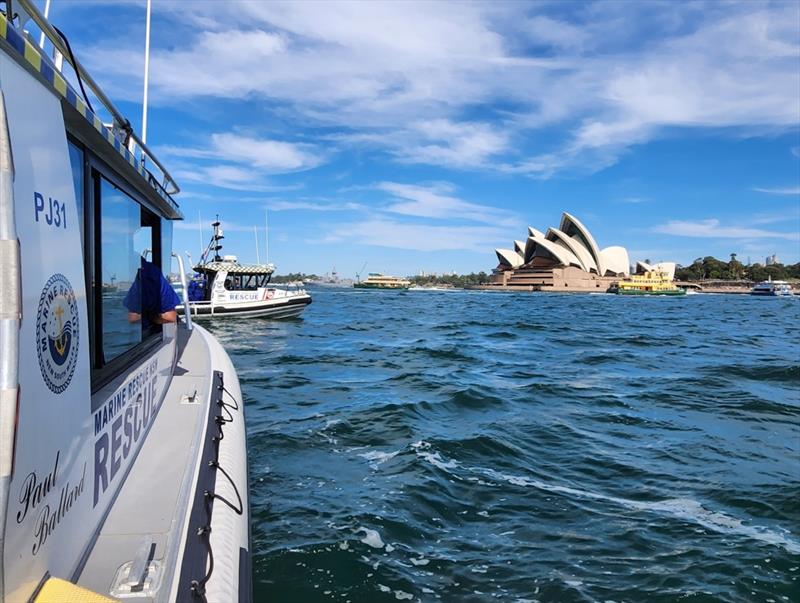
x,y
240,162
790,215
268,156
312,206
437,201
206,226
480,86
712,228
452,144
382,232
787,190
227,176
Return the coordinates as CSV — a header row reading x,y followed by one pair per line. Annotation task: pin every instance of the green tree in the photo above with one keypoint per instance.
x,y
735,268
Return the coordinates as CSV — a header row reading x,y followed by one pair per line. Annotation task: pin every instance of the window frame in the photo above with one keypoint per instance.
x,y
103,372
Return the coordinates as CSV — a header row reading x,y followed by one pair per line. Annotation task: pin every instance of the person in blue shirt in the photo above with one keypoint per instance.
x,y
151,298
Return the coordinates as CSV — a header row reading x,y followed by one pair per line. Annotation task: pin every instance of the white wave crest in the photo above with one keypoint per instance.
x,y
376,457
371,538
682,508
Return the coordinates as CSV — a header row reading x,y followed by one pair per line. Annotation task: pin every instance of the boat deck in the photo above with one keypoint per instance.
x,y
146,522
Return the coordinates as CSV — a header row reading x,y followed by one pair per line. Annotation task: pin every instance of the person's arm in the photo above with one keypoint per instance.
x,y
165,317
169,299
133,301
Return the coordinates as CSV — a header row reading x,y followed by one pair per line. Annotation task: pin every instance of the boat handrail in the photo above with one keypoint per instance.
x,y
187,314
121,122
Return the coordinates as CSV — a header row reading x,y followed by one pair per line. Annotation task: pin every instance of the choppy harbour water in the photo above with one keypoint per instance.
x,y
471,446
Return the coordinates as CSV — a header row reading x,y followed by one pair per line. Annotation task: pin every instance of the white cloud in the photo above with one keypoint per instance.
x,y
207,228
301,205
272,155
412,81
711,228
792,215
226,176
240,162
560,34
435,202
269,156
420,237
442,142
418,204
788,190
452,144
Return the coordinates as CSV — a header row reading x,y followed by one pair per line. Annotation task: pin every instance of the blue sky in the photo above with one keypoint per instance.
x,y
420,136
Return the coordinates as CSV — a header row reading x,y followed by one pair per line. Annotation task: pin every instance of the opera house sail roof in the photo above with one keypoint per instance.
x,y
571,244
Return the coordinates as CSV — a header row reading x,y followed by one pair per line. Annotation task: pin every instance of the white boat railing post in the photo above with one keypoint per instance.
x,y
46,15
146,74
187,310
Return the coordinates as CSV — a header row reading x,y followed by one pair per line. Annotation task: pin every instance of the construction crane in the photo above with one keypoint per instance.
x,y
360,272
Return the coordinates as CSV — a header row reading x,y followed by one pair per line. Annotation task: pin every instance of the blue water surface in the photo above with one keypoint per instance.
x,y
481,446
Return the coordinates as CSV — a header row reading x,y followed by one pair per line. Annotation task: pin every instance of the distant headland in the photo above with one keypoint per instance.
x,y
709,273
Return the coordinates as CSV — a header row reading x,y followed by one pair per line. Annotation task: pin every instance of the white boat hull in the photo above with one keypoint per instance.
x,y
286,307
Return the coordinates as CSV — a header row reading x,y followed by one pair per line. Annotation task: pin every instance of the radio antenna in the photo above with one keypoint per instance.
x,y
146,71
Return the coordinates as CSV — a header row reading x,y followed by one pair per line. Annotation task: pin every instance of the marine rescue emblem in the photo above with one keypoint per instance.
x,y
57,333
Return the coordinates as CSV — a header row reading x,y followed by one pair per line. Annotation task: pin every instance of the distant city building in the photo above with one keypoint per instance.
x,y
566,258
772,259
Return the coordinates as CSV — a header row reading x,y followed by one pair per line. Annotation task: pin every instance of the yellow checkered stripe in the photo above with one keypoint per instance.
x,y
33,57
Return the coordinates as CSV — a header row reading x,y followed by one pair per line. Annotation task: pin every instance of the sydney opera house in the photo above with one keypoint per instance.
x,y
564,259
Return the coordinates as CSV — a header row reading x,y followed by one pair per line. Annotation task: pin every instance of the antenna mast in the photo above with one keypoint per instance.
x,y
255,234
217,236
46,13
202,238
266,233
146,73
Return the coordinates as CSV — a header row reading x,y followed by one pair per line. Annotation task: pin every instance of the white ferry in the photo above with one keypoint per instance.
x,y
224,287
123,470
772,288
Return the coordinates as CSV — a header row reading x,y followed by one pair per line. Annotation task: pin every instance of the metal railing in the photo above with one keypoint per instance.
x,y
187,309
167,183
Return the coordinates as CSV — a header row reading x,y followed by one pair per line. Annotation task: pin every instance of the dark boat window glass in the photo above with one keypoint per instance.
x,y
233,282
166,243
129,239
245,282
122,241
76,163
123,244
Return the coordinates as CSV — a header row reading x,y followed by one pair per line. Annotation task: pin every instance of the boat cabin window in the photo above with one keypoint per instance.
x,y
245,282
123,255
76,161
125,244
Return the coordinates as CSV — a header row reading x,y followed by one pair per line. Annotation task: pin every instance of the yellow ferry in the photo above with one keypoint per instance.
x,y
376,280
653,282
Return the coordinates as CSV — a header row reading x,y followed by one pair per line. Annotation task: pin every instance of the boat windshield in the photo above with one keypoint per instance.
x,y
246,282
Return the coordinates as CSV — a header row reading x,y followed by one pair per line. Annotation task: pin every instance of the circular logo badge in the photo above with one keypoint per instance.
x,y
57,333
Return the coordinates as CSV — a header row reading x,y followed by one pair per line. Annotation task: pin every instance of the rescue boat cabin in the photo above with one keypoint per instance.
x,y
222,278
